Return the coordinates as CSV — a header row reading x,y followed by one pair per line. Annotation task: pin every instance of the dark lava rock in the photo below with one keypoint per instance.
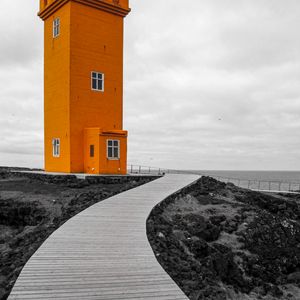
x,y
190,251
294,277
281,207
20,214
27,223
217,220
197,226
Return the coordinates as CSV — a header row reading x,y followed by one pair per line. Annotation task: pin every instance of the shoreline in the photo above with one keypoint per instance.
x,y
218,241
33,207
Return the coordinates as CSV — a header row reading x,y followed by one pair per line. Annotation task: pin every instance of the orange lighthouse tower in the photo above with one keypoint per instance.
x,y
83,86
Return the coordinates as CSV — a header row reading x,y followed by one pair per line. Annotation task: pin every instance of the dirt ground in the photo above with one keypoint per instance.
x,y
31,208
220,242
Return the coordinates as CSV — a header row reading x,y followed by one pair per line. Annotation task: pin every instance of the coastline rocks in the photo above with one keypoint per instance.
x,y
32,206
20,214
215,247
294,277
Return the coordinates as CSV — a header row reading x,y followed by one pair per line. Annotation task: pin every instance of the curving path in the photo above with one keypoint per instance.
x,y
103,253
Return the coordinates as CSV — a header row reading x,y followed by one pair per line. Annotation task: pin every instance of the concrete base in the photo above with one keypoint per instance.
x,y
82,175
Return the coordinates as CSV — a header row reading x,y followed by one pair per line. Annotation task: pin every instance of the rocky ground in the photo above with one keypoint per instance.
x,y
32,207
218,241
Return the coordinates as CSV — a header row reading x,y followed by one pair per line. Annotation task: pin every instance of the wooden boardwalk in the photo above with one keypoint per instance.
x,y
103,253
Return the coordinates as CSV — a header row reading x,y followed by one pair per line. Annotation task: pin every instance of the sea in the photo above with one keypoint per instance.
x,y
283,176
260,180
288,181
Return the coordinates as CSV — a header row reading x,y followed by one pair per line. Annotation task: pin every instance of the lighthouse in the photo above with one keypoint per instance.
x,y
83,86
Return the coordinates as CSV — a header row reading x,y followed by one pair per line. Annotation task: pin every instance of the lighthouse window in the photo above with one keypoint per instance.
x,y
56,147
56,27
113,149
92,150
97,81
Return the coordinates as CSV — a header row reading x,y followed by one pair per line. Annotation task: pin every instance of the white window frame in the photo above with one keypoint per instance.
x,y
56,27
56,147
95,76
112,146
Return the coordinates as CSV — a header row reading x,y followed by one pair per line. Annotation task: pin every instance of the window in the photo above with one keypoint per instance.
x,y
56,147
92,150
97,81
56,27
113,149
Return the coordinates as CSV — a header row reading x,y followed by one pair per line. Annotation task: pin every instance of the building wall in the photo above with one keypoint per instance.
x,y
100,163
110,166
90,40
96,44
56,90
91,164
123,3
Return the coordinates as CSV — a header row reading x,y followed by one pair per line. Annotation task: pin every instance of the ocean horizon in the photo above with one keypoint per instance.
x,y
277,176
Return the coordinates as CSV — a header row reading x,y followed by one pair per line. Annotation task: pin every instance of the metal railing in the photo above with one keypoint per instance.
x,y
258,185
144,170
137,169
262,185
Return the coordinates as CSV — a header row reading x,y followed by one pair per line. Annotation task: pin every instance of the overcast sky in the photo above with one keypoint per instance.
x,y
209,84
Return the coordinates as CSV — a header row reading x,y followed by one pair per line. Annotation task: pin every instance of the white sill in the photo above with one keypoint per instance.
x,y
99,91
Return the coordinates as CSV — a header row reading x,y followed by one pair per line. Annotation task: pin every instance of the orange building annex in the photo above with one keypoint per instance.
x,y
83,86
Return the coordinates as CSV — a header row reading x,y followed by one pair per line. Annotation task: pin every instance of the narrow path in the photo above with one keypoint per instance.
x,y
103,253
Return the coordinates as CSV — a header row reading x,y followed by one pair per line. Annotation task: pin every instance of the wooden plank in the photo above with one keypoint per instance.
x,y
103,253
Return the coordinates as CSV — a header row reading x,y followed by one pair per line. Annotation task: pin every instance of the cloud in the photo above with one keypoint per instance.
x,y
208,84
218,82
21,84
21,33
